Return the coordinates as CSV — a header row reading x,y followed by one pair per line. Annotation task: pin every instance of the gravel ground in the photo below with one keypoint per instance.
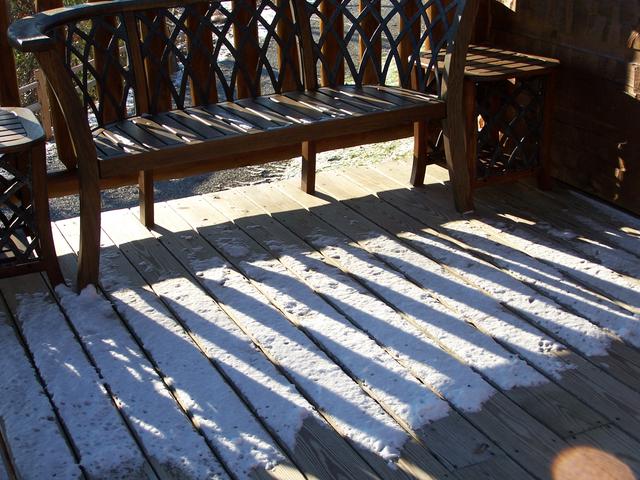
x,y
126,197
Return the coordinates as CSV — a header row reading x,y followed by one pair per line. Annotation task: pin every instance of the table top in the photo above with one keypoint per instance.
x,y
489,63
19,128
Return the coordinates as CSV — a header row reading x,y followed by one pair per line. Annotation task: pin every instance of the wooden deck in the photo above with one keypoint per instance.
x,y
212,307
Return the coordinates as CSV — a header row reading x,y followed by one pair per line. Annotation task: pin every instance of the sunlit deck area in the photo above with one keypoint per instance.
x,y
366,332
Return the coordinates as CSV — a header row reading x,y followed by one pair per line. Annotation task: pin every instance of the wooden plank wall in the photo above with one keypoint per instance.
x,y
596,144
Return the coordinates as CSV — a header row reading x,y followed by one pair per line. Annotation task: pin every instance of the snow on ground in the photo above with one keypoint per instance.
x,y
487,241
575,330
104,444
353,413
451,331
239,439
272,396
140,393
27,417
598,277
409,345
392,385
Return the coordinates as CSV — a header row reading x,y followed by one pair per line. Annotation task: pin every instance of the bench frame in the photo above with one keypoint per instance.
x,y
40,35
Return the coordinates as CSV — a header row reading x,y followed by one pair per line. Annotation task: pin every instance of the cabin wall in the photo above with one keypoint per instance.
x,y
596,144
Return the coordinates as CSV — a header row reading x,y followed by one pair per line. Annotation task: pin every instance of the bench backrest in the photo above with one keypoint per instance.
x,y
130,57
143,56
379,42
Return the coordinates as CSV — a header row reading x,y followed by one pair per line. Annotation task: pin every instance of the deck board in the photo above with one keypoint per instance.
x,y
192,299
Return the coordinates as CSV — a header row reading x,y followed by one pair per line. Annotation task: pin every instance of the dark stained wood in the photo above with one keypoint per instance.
x,y
24,138
245,40
419,166
330,48
308,182
112,85
452,127
370,43
9,94
64,144
141,143
595,148
201,46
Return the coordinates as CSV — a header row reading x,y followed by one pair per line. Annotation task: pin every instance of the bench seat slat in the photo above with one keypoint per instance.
x,y
326,107
291,109
250,103
149,125
147,151
233,117
224,124
260,117
184,118
179,129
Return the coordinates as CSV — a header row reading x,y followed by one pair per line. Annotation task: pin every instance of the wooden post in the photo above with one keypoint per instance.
x,y
330,48
113,85
285,31
201,50
66,153
45,104
9,93
371,59
407,44
453,126
545,181
245,40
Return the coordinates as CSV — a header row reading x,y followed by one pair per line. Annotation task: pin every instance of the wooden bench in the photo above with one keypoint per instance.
x,y
165,86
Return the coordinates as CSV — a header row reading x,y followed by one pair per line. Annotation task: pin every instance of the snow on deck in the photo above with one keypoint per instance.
x,y
367,332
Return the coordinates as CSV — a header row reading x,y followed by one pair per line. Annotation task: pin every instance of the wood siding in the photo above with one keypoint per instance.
x,y
596,145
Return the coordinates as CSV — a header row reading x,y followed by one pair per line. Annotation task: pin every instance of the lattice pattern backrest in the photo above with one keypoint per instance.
x,y
196,53
374,42
96,56
214,51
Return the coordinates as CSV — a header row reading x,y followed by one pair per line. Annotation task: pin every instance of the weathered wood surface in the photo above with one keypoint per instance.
x,y
595,146
519,432
9,94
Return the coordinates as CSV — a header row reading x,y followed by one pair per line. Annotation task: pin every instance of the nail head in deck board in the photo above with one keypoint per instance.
x,y
76,390
32,439
319,443
175,449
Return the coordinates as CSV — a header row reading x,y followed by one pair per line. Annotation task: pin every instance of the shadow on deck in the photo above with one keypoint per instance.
x,y
366,332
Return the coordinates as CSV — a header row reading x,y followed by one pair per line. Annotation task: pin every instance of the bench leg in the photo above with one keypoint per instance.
x,y
545,181
90,208
419,168
41,203
145,186
308,183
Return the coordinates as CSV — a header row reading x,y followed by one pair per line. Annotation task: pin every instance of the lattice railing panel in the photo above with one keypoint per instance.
x,y
96,55
178,46
18,244
374,42
511,122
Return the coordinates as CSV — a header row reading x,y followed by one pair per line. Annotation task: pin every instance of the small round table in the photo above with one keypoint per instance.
x,y
26,242
508,102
